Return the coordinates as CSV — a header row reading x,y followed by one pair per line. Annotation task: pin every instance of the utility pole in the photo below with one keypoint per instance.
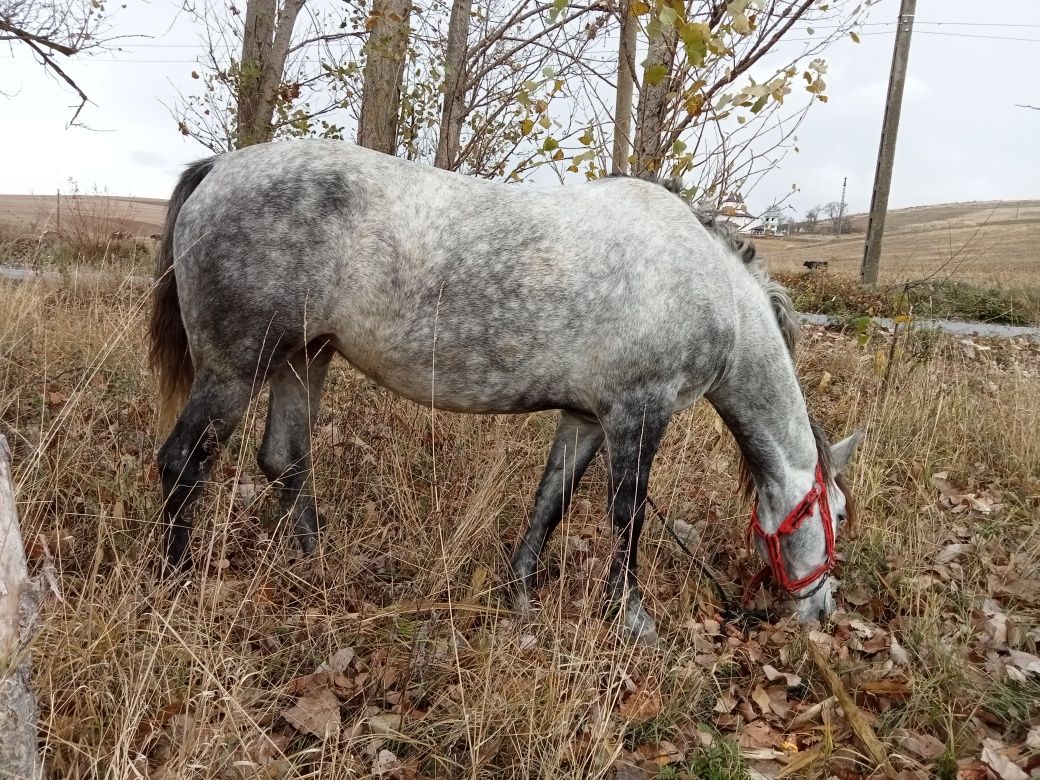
x,y
868,273
841,207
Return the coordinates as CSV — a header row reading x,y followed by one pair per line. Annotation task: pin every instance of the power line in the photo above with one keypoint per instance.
x,y
782,40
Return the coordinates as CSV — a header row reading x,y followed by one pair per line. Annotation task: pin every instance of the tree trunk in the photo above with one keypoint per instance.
x,y
19,752
453,113
265,47
384,68
626,79
653,104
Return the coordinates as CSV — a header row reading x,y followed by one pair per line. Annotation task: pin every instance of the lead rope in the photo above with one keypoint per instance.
x,y
732,610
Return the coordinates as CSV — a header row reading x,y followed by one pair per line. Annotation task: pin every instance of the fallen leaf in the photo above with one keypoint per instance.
x,y
317,715
1002,765
791,680
897,653
1027,662
951,552
641,706
724,703
761,698
339,661
384,763
921,745
662,754
757,734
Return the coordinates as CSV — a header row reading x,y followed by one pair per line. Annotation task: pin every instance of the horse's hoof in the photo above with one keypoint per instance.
x,y
520,601
639,626
308,542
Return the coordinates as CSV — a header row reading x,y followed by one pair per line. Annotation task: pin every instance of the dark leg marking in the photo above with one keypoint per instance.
x,y
214,408
633,435
285,455
576,443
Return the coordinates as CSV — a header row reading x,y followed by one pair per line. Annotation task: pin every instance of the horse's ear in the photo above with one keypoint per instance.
x,y
842,452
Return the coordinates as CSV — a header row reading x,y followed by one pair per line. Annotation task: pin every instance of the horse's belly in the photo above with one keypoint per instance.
x,y
453,381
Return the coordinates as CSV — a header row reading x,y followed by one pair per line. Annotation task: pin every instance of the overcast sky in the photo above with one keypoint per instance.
x,y
961,136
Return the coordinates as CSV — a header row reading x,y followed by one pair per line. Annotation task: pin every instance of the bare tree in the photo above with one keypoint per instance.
x,y
836,214
812,217
653,99
453,112
518,57
712,102
628,29
265,47
295,69
52,29
384,67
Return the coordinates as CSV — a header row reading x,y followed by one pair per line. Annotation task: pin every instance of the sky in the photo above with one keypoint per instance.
x,y
961,137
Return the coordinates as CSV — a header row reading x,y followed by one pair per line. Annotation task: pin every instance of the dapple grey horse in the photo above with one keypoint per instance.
x,y
605,300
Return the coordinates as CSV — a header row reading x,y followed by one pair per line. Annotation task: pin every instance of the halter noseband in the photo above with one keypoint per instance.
x,y
817,495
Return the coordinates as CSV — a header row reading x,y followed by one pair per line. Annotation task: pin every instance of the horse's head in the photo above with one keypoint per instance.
x,y
800,552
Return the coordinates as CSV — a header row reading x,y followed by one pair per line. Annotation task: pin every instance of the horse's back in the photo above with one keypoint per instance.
x,y
490,297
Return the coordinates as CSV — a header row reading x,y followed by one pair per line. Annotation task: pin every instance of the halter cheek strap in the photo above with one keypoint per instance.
x,y
817,495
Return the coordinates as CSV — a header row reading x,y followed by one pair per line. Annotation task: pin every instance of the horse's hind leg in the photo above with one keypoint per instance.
x,y
633,435
577,441
285,455
215,406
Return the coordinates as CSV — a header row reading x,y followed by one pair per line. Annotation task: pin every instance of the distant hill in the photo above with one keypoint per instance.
x,y
985,241
96,214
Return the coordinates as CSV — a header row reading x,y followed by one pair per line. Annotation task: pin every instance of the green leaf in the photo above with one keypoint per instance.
x,y
526,126
855,38
760,103
548,72
638,8
668,17
678,147
549,144
587,137
530,85
655,74
544,121
695,37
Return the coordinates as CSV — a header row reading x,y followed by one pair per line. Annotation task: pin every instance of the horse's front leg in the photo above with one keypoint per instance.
x,y
577,441
633,434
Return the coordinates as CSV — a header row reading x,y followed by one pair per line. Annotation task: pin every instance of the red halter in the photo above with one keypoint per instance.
x,y
817,494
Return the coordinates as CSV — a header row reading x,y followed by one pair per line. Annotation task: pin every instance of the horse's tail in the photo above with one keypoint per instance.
x,y
168,353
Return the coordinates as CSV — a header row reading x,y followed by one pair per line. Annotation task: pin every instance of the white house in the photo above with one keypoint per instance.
x,y
769,223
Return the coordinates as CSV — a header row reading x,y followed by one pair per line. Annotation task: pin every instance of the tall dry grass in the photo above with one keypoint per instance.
x,y
140,678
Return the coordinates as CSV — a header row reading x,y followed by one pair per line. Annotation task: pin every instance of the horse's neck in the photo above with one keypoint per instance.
x,y
761,402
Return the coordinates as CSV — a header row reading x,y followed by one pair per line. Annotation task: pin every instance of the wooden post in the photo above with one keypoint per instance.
x,y
19,752
868,273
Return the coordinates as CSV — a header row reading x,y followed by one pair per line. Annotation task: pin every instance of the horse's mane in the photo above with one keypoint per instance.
x,y
744,249
786,318
779,298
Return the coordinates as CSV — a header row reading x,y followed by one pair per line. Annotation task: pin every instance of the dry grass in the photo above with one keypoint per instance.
x,y
145,679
